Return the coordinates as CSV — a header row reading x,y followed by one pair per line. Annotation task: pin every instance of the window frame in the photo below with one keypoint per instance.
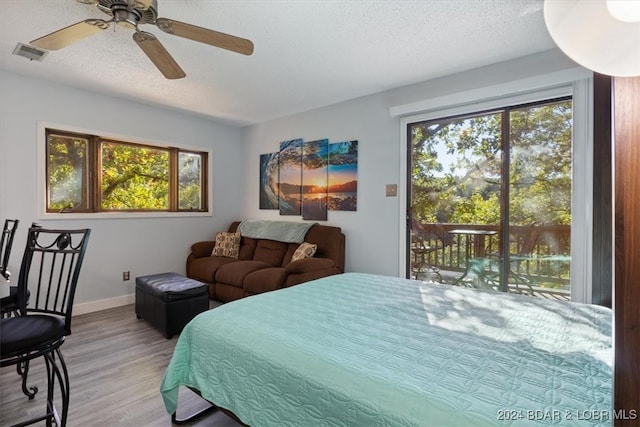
x,y
582,137
95,138
506,146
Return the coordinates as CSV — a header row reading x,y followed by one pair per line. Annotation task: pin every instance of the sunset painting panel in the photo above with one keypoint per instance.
x,y
290,177
315,159
269,181
343,176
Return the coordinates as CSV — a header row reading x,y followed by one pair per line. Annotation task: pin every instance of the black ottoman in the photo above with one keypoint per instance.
x,y
169,301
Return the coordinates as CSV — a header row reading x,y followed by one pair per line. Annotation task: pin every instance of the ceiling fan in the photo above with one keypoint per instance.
x,y
131,13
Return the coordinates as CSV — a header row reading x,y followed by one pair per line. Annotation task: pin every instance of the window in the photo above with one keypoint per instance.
x,y
89,173
490,196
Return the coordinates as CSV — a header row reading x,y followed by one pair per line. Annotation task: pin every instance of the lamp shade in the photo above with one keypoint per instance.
x,y
589,34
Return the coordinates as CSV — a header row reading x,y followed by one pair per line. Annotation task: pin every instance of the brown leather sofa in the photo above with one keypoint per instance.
x,y
265,265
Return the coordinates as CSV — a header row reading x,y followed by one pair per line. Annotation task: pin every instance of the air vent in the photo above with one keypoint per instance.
x,y
29,52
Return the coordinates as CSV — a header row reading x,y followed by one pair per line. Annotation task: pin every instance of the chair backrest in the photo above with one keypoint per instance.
x,y
530,241
6,243
50,270
444,235
435,232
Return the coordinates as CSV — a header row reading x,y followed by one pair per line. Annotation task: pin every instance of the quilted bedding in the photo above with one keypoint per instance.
x,y
366,350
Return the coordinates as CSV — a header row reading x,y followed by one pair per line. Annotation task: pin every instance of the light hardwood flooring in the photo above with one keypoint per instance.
x,y
116,363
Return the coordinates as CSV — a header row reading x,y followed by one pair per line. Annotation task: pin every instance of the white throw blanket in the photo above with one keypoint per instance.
x,y
281,231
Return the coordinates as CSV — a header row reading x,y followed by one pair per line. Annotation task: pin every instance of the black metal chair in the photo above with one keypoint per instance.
x,y
50,267
6,243
424,242
8,304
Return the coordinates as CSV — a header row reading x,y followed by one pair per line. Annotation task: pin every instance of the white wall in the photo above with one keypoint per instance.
x,y
151,245
374,233
139,245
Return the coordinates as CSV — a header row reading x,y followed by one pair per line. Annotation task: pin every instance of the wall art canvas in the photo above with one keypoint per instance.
x,y
315,162
269,181
343,176
290,177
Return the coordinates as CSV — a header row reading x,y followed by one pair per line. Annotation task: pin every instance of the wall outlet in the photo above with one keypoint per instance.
x,y
125,276
391,190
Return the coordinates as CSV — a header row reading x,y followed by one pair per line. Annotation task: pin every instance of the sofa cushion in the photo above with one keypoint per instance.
x,y
305,250
228,293
204,269
200,249
308,264
267,279
289,254
227,245
330,241
270,252
247,248
235,272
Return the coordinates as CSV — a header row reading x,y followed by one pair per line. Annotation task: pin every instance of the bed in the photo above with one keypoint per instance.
x,y
368,350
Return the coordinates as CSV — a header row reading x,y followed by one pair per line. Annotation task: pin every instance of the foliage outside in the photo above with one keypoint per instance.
x,y
67,172
189,181
467,190
132,176
456,172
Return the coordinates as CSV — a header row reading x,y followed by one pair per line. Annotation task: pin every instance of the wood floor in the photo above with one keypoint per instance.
x,y
116,363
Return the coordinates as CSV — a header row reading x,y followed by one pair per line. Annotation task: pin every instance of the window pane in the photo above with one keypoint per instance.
x,y
461,175
190,181
67,173
455,194
492,209
134,177
540,199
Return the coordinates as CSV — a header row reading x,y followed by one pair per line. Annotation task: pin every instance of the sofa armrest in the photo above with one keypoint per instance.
x,y
308,264
202,249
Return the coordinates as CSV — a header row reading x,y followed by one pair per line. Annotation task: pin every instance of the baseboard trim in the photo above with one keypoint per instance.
x,y
103,304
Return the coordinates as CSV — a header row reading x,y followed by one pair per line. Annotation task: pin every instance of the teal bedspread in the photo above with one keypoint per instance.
x,y
367,350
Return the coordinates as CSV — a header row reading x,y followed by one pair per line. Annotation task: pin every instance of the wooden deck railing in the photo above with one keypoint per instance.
x,y
546,263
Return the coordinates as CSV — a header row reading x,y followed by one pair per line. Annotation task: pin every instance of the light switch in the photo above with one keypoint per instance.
x,y
392,190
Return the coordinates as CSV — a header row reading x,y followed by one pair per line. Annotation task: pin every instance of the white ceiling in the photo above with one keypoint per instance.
x,y
307,53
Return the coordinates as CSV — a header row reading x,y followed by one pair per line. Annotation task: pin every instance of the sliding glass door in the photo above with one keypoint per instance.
x,y
489,199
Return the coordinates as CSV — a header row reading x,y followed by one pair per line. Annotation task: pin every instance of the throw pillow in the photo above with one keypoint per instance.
x,y
305,250
227,245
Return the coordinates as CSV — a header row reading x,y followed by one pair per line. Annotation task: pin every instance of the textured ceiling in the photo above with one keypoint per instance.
x,y
307,54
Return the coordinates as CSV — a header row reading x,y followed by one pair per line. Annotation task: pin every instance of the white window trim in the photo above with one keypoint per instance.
x,y
41,167
580,88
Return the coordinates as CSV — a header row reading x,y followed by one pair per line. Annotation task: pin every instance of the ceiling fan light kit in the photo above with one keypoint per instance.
x,y
129,14
601,35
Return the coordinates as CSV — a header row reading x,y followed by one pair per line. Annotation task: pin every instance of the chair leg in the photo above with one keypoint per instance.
x,y
23,371
64,387
59,373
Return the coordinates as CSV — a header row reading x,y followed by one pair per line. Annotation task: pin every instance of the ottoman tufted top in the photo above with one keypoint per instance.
x,y
171,286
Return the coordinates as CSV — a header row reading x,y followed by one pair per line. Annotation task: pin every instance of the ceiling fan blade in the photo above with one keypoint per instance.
x,y
71,34
152,47
204,35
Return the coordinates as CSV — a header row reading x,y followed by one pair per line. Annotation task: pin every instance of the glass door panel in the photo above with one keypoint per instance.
x,y
539,208
455,196
465,194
